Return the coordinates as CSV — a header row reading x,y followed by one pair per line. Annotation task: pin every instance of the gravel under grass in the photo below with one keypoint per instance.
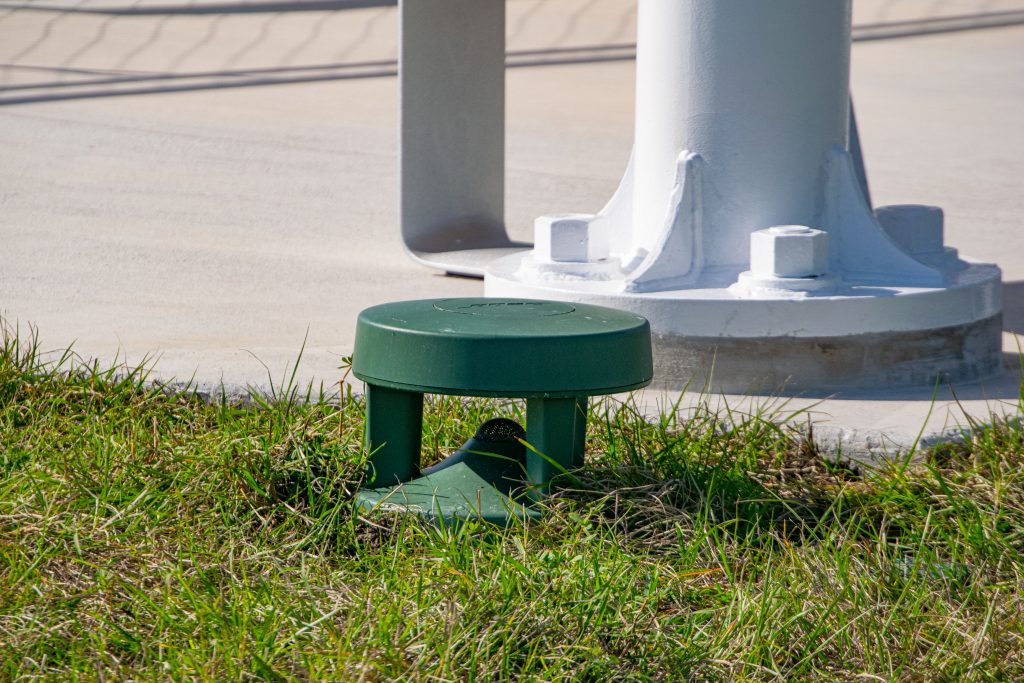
x,y
148,535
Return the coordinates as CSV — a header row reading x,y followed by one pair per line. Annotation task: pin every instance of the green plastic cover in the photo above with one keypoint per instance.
x,y
502,347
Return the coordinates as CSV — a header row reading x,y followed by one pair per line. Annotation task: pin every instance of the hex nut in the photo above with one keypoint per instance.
x,y
574,238
917,228
789,251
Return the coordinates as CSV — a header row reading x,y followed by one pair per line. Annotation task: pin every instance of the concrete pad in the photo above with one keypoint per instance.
x,y
215,227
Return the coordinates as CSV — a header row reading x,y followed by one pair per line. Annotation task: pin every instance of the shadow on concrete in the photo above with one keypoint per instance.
x,y
872,31
211,8
924,27
386,67
159,83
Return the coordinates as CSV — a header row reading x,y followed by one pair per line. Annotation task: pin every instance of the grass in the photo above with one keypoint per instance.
x,y
148,535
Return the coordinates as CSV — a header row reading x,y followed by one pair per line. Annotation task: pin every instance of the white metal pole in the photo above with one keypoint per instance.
x,y
760,91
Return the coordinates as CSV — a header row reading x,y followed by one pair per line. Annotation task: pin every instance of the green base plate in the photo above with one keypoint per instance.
x,y
449,496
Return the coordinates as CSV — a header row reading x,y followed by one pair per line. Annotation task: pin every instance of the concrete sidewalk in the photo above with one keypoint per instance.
x,y
216,227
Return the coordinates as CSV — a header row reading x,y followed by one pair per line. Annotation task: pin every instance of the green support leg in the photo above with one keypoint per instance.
x,y
394,425
579,446
555,427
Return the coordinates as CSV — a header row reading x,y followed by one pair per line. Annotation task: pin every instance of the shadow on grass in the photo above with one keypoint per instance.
x,y
661,514
661,483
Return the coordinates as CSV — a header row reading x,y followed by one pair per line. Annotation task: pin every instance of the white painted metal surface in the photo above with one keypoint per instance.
x,y
789,251
742,123
452,68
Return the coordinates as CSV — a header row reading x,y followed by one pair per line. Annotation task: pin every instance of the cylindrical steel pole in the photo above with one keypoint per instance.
x,y
760,91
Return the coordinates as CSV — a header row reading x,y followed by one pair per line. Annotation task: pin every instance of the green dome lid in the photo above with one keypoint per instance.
x,y
502,347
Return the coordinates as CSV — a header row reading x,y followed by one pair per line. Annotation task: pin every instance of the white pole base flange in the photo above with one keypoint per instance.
x,y
734,340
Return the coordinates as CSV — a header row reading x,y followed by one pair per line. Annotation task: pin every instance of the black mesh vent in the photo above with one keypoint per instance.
x,y
500,429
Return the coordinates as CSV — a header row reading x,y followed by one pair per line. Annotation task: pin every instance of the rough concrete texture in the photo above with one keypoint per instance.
x,y
244,198
816,366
